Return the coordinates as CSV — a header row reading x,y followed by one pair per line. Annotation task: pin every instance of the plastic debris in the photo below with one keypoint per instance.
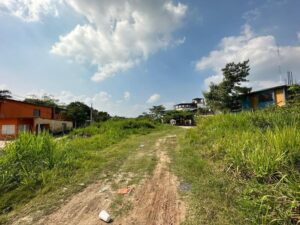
x,y
124,191
103,215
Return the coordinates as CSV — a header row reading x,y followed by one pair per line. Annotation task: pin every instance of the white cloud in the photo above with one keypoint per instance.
x,y
30,10
126,95
252,15
153,98
298,35
262,51
3,86
119,34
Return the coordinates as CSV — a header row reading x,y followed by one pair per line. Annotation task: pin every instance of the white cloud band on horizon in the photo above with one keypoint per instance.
x,y
268,68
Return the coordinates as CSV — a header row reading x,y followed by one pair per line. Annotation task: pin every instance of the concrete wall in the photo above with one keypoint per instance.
x,y
56,126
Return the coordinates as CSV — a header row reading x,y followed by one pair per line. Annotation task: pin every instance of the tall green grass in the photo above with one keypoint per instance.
x,y
35,164
262,149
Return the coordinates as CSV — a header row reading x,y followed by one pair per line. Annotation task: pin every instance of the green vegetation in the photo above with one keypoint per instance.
x,y
225,96
78,112
5,94
38,166
244,168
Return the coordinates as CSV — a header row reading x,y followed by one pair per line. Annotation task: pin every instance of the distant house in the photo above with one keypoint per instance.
x,y
17,116
191,106
263,98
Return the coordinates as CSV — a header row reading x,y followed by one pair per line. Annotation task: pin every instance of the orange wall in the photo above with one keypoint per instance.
x,y
15,122
16,109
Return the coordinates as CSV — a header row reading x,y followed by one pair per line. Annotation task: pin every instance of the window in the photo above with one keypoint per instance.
x,y
23,128
266,96
36,113
8,129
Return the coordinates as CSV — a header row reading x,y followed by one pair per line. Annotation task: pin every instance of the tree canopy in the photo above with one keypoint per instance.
x,y
225,95
45,100
78,112
5,94
156,112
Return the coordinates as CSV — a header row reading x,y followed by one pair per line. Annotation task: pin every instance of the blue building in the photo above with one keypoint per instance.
x,y
263,98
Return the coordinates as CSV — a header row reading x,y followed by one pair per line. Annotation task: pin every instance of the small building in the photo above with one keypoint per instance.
x,y
263,98
18,116
191,106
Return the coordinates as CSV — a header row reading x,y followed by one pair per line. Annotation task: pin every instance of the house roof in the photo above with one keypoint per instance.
x,y
23,102
197,98
189,103
267,89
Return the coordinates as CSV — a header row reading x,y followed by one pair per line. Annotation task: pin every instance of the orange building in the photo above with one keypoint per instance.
x,y
17,116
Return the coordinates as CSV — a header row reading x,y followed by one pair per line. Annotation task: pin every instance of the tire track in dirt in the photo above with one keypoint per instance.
x,y
157,202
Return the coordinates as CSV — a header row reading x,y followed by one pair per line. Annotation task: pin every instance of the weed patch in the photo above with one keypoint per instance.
x,y
246,165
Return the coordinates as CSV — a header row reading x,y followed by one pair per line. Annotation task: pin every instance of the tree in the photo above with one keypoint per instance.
x,y
99,116
45,100
78,112
5,94
225,96
294,94
157,112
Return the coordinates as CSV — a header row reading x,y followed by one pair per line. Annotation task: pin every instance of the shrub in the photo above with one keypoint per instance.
x,y
264,148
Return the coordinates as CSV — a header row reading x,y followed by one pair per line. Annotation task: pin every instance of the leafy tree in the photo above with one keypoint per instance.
x,y
294,94
78,112
144,115
99,116
157,112
5,94
225,96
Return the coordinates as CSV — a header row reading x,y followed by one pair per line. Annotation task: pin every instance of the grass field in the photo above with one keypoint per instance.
x,y
39,171
244,168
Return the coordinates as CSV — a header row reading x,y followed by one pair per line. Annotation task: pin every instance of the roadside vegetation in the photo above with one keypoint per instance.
x,y
244,168
39,165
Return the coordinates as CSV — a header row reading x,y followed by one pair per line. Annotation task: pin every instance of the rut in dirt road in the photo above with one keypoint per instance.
x,y
157,202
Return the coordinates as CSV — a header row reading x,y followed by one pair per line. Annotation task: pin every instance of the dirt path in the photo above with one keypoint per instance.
x,y
154,202
157,201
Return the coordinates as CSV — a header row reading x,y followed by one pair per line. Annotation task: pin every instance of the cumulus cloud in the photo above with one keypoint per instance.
x,y
30,10
267,67
153,98
119,34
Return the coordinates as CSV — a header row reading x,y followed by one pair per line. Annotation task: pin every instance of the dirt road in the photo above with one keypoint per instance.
x,y
155,201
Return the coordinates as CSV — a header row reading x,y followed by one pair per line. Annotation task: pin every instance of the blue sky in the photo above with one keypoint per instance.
x,y
125,56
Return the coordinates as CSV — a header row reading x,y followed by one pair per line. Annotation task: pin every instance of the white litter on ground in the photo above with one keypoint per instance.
x,y
103,215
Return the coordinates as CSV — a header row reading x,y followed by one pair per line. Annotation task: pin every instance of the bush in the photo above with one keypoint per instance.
x,y
33,162
264,149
